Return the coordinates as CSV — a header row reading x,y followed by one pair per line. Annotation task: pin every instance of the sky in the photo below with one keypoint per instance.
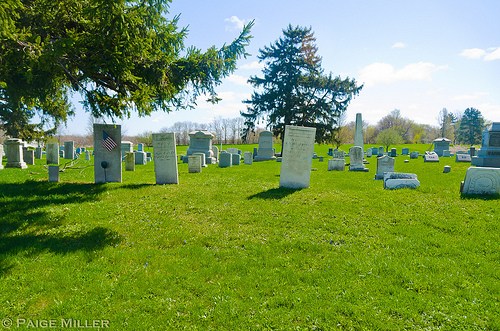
x,y
415,56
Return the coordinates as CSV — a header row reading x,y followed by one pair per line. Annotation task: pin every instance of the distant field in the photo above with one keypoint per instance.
x,y
227,249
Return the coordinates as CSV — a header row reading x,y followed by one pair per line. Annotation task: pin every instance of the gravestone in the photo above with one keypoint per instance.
x,y
215,152
165,158
87,155
265,151
247,157
202,158
53,173
330,151
52,153
28,156
129,161
356,159
489,154
140,158
194,163
446,153
440,145
375,150
369,152
200,142
69,150
358,133
337,154
233,150
431,157
381,151
14,153
336,165
472,151
414,155
398,180
107,153
126,147
61,153
384,164
296,163
225,159
38,153
235,159
393,152
481,181
462,158
140,147
446,169
405,151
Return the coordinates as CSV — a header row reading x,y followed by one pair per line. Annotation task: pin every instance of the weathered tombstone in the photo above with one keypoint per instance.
x,y
336,165
233,150
296,157
28,156
194,163
140,158
235,159
356,159
247,157
381,151
201,142
165,158
481,181
462,158
107,153
87,155
126,147
358,133
446,169
202,158
414,155
52,153
375,150
265,151
53,173
337,154
489,154
397,180
446,153
61,153
38,153
330,151
140,147
129,161
369,152
431,157
215,152
472,151
225,159
384,164
69,150
393,152
441,144
405,151
14,153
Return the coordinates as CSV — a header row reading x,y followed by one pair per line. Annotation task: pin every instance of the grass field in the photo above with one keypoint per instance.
x,y
227,249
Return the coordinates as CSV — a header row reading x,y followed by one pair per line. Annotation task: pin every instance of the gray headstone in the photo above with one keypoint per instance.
x,y
248,157
140,158
489,154
395,180
53,173
225,160
336,165
405,151
194,163
462,158
369,152
296,157
107,153
165,158
201,142
481,181
384,164
358,134
87,155
446,153
140,147
440,145
393,152
14,153
414,155
235,159
265,151
1,156
381,151
69,150
356,159
202,158
215,152
446,169
29,156
38,153
52,153
129,161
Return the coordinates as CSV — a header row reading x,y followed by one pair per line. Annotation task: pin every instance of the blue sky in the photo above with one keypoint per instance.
x,y
415,56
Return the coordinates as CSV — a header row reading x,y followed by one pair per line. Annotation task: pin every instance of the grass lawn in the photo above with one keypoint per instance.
x,y
227,249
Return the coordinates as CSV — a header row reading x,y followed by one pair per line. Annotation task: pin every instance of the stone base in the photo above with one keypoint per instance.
x,y
20,165
490,162
258,158
356,168
481,181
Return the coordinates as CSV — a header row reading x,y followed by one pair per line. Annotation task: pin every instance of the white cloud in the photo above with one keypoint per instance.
x,y
385,73
489,54
238,79
399,44
473,96
252,66
237,23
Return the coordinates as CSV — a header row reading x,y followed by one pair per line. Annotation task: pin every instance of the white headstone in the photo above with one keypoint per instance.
x,y
431,157
463,158
384,164
107,153
194,163
248,157
14,153
165,158
296,157
396,180
336,164
481,181
358,134
356,159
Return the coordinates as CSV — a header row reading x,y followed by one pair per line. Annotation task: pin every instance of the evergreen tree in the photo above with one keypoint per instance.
x,y
295,90
471,127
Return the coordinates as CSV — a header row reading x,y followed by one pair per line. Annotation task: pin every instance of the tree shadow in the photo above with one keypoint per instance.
x,y
28,224
274,193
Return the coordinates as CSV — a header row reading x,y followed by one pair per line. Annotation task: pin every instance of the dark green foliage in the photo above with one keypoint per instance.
x,y
295,90
471,127
122,56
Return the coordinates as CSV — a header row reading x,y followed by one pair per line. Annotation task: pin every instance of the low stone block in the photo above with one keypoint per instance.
x,y
481,181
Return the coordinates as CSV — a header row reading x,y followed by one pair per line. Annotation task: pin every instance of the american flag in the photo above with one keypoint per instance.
x,y
108,142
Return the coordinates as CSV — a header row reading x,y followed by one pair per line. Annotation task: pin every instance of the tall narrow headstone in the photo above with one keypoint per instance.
x,y
53,173
52,153
38,153
298,148
265,150
14,153
28,156
248,157
69,150
129,161
358,134
356,159
126,147
140,147
107,153
165,158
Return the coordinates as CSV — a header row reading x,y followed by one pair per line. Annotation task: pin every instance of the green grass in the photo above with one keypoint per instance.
x,y
227,249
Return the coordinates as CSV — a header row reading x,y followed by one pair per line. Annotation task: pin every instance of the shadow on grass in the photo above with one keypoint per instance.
x,y
28,224
480,197
274,193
